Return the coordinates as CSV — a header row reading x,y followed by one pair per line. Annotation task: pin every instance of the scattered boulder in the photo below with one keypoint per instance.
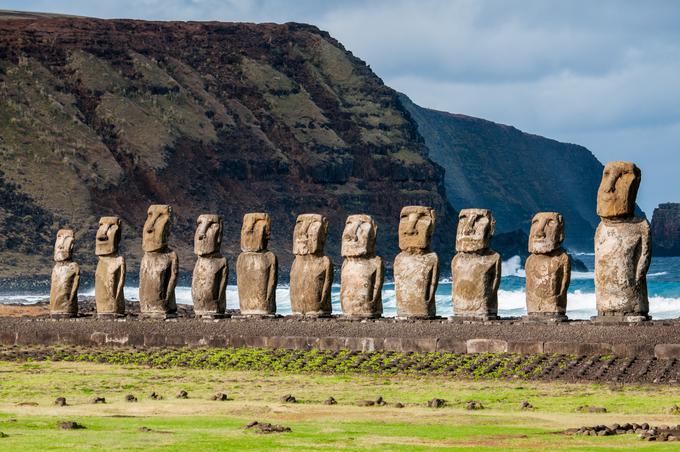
x,y
365,402
644,431
526,406
399,405
674,409
474,405
3,435
288,399
98,400
436,403
69,425
220,396
182,394
591,409
155,396
130,398
144,429
60,401
330,401
265,427
380,401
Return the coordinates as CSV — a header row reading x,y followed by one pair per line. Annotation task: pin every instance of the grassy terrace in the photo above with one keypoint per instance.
x,y
29,385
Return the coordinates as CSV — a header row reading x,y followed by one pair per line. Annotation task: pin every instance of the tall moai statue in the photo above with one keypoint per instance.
x,y
475,269
109,278
311,274
548,269
416,267
256,267
622,247
65,277
361,277
209,280
159,266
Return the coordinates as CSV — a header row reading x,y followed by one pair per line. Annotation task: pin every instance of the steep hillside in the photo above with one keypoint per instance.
x,y
666,229
513,173
102,117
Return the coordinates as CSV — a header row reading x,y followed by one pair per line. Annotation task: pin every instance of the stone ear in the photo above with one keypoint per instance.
x,y
492,228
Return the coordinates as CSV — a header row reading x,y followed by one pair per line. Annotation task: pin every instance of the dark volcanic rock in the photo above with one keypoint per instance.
x,y
69,425
666,230
60,401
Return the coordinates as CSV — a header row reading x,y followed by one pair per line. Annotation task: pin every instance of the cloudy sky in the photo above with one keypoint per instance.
x,y
603,74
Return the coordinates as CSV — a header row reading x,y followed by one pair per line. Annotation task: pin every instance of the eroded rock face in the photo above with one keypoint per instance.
x,y
110,273
361,277
311,274
256,267
65,277
475,269
622,246
548,269
416,268
159,266
209,279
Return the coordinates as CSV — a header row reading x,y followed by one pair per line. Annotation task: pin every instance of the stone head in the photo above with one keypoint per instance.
x,y
618,190
475,229
255,231
208,237
63,247
547,232
108,236
358,238
416,225
157,228
310,234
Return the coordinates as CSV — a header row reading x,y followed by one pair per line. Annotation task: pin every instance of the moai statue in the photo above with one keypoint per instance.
x,y
209,281
311,275
361,277
109,278
158,270
475,269
622,247
416,268
548,269
65,278
256,268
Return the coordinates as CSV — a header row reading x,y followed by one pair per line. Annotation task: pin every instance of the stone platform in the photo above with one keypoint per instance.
x,y
659,339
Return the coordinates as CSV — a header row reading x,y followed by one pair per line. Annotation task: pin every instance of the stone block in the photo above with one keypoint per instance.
x,y
486,346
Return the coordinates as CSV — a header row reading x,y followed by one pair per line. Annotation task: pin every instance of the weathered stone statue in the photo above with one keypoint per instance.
x,y
622,247
65,278
256,267
476,269
109,278
548,269
209,280
311,274
158,270
416,268
361,277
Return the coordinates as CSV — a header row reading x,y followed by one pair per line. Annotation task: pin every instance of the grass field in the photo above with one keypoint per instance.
x,y
29,417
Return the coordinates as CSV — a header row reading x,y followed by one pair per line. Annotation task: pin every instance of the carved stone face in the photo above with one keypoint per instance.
x,y
157,228
310,234
255,232
416,225
358,238
618,190
108,236
208,237
547,232
475,229
64,245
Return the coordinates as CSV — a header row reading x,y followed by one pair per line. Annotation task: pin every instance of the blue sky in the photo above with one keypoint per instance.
x,y
603,74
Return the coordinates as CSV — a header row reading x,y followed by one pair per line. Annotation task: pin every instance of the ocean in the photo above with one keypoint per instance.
x,y
663,280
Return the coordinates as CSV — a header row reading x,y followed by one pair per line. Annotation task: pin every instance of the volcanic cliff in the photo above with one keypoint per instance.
x,y
666,229
513,173
101,117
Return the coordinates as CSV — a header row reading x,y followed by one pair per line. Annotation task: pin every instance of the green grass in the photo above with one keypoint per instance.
x,y
198,423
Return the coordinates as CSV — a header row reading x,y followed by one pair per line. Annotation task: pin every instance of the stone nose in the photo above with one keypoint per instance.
x,y
610,184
